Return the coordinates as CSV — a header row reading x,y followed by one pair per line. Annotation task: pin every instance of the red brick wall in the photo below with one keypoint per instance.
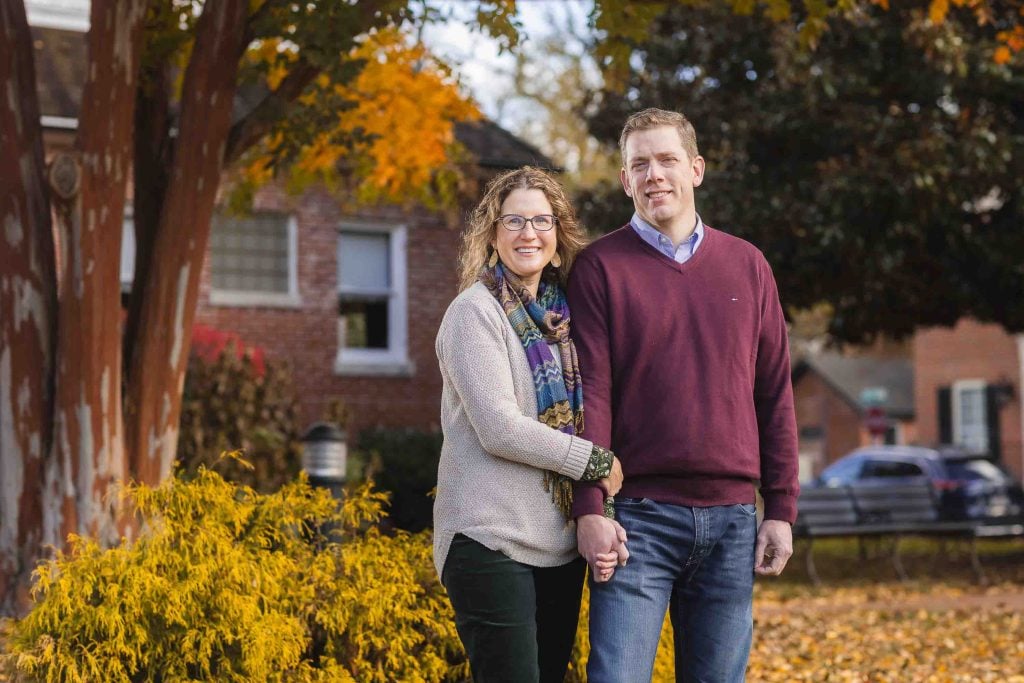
x,y
306,337
970,350
820,406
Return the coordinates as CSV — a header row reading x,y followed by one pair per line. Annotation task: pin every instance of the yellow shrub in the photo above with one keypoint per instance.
x,y
228,584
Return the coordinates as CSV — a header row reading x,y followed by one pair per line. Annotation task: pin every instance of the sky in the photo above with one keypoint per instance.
x,y
475,56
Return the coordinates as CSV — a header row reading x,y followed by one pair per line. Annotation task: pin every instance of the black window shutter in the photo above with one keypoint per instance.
x,y
945,415
992,420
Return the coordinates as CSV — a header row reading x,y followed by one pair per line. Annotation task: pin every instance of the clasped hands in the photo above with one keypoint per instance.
x,y
602,541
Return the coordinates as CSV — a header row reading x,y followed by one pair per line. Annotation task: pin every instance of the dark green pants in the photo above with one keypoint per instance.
x,y
517,622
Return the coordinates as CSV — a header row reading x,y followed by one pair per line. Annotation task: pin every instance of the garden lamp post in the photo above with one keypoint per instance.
x,y
324,454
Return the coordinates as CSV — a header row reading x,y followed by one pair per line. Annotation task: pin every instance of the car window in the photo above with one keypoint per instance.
x,y
976,470
890,469
843,472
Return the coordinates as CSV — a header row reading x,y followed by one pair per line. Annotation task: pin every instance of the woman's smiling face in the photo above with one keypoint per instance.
x,y
526,252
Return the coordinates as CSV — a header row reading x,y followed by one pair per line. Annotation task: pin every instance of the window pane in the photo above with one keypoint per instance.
x,y
363,260
363,324
250,253
973,429
977,470
882,468
842,472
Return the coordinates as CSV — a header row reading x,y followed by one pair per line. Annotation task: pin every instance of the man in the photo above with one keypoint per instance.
x,y
685,361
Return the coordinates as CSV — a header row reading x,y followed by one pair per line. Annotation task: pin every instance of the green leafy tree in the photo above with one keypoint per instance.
x,y
879,172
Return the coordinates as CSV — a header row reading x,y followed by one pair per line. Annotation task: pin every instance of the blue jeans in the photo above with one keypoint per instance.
x,y
696,562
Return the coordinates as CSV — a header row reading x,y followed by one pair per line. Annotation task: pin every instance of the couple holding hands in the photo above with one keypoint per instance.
x,y
613,406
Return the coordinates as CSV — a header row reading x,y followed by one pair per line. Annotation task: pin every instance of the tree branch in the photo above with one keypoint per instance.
x,y
258,122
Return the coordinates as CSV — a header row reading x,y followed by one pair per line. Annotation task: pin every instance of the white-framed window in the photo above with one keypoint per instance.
x,y
970,415
373,334
254,260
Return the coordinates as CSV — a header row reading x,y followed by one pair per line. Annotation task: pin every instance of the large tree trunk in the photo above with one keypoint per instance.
x,y
160,352
89,448
28,305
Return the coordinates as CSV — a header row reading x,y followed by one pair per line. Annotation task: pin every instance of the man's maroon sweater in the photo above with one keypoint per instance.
x,y
685,373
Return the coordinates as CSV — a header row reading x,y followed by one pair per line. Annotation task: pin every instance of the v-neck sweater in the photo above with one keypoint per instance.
x,y
686,373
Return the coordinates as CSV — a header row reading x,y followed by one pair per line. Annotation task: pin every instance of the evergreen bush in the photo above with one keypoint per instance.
x,y
404,462
228,584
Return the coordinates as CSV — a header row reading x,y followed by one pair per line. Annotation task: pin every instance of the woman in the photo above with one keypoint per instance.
x,y
511,407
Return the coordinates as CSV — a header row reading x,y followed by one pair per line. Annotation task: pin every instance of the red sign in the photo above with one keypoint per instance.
x,y
876,421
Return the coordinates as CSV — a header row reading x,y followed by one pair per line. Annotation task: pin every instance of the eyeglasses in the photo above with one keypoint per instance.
x,y
515,222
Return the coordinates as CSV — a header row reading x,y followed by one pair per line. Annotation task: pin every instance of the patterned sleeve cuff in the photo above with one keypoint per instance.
x,y
599,465
609,507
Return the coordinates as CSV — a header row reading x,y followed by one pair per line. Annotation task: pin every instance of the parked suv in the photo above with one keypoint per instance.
x,y
969,486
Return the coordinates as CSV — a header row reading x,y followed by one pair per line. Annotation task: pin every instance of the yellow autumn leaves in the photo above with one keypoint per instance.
x,y
227,584
890,646
388,134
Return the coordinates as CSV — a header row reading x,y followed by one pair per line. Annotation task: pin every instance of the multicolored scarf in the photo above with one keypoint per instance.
x,y
538,322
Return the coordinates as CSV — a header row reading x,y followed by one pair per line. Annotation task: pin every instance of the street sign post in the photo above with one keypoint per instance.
x,y
876,421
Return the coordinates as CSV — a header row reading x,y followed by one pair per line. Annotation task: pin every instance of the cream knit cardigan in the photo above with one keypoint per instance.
x,y
490,481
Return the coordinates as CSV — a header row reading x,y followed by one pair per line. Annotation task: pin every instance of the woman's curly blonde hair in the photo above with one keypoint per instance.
x,y
483,222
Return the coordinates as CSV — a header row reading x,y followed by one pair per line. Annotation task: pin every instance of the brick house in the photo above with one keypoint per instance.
x,y
351,301
832,393
967,391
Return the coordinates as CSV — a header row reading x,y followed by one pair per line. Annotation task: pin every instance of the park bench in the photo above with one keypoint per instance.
x,y
893,512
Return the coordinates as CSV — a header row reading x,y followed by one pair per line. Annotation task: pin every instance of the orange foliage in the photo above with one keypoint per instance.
x,y
394,135
406,104
1012,40
937,11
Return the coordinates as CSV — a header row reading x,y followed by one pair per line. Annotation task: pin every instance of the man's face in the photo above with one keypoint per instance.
x,y
660,176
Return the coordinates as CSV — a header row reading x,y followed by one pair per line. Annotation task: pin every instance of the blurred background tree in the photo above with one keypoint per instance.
x,y
879,172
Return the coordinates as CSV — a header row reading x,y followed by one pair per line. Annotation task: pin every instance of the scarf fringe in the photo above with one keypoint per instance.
x,y
561,491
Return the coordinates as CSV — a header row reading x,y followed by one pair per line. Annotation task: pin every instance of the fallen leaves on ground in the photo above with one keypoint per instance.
x,y
889,646
863,626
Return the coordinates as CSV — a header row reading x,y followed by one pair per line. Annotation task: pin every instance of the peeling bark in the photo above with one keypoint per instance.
x,y
89,451
28,305
157,365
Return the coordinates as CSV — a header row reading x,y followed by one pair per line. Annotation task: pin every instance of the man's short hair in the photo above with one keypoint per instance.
x,y
656,118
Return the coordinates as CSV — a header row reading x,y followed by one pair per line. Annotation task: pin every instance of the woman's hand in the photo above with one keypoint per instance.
x,y
602,542
613,482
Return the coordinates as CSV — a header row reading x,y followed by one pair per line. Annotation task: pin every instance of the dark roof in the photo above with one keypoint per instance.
x,y
61,70
495,147
850,375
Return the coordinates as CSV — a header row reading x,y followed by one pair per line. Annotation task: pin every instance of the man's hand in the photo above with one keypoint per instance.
x,y
774,547
602,543
613,482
